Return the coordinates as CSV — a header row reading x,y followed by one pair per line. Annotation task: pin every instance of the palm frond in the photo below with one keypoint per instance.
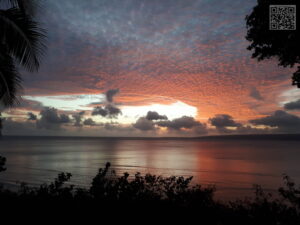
x,y
9,80
23,37
27,6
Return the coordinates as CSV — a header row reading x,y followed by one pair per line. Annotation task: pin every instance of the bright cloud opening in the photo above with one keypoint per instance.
x,y
172,111
68,102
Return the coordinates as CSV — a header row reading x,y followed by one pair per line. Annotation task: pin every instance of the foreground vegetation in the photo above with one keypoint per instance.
x,y
152,195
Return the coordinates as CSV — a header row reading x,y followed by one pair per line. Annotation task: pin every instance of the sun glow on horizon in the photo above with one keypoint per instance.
x,y
129,113
172,111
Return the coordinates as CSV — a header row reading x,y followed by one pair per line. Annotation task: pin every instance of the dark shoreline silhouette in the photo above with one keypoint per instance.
x,y
151,195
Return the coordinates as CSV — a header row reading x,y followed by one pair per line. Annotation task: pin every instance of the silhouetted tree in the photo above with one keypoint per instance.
x,y
21,42
151,197
267,43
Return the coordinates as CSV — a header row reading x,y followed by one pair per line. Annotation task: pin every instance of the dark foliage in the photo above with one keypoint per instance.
x,y
10,79
151,196
266,43
21,43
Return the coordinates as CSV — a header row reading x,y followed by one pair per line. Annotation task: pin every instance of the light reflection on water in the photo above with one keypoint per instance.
x,y
233,166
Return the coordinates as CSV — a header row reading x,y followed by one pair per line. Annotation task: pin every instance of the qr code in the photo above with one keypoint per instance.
x,y
282,17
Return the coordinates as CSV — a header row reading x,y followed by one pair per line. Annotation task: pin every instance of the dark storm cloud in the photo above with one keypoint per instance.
x,y
112,110
99,110
50,119
110,94
31,116
11,127
89,122
281,120
64,118
24,128
292,105
152,115
109,110
78,118
144,124
221,121
254,93
183,125
182,122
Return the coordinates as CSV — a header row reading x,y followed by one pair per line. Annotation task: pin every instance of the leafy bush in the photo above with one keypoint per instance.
x,y
150,193
107,185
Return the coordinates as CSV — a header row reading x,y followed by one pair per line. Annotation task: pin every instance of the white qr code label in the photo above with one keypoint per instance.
x,y
282,17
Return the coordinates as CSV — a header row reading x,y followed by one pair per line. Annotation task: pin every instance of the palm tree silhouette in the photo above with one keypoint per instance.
x,y
21,43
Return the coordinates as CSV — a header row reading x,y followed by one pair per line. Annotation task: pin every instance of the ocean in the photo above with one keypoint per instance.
x,y
233,164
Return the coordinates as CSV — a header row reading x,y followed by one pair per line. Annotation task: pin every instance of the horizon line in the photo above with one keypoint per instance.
x,y
288,135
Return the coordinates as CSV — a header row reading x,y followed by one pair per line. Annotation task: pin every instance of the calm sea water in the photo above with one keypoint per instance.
x,y
233,165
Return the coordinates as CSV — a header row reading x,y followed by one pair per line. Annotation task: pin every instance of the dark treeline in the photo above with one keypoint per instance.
x,y
152,196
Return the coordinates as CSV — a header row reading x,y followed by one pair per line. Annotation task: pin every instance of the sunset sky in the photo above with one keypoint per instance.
x,y
110,62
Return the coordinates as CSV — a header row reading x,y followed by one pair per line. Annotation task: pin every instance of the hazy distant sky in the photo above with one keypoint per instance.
x,y
183,59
